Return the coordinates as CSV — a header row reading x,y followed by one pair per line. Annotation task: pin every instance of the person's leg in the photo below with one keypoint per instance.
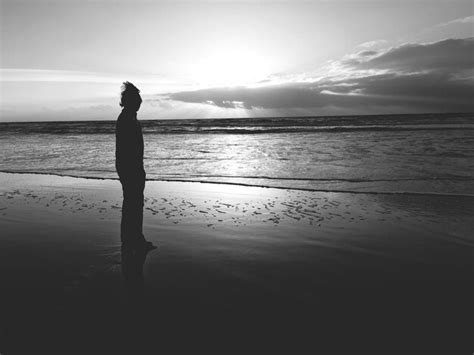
x,y
140,204
134,208
127,207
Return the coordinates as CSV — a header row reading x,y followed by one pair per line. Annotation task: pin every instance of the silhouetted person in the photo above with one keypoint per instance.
x,y
129,165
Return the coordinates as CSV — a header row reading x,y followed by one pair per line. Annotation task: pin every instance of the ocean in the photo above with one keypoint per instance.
x,y
426,153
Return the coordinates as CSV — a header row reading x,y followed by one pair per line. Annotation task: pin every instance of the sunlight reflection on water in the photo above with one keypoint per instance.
x,y
436,161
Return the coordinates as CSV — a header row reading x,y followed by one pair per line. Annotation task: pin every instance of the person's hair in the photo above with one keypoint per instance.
x,y
130,95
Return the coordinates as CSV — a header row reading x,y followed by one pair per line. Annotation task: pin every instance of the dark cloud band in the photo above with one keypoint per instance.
x,y
429,77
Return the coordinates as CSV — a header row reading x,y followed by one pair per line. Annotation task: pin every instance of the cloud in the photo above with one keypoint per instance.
x,y
44,113
368,53
448,55
457,28
72,76
372,44
45,75
434,77
462,20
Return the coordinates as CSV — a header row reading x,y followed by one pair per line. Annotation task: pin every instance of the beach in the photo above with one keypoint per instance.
x,y
236,177
237,269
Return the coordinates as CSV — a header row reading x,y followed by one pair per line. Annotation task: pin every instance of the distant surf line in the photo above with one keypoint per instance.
x,y
402,193
164,130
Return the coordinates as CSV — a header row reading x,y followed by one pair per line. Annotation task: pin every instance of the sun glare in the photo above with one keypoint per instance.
x,y
229,67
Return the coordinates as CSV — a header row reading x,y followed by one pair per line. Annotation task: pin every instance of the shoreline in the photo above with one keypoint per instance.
x,y
403,193
237,270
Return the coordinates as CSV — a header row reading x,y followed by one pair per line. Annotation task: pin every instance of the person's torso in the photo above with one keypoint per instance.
x,y
129,144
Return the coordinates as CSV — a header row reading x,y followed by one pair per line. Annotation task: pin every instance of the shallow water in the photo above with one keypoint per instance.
x,y
403,153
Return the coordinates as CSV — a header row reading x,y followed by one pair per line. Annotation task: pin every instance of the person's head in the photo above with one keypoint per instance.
x,y
130,97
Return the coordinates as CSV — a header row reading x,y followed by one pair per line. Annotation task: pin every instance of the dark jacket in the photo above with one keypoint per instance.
x,y
128,146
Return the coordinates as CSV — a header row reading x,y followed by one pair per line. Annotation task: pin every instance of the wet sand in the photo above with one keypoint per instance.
x,y
237,269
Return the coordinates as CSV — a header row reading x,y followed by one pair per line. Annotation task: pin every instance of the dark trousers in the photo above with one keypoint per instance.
x,y
131,226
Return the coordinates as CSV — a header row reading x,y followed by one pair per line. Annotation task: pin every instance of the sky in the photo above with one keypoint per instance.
x,y
66,60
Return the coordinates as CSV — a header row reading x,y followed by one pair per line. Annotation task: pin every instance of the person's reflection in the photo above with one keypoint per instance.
x,y
133,260
133,329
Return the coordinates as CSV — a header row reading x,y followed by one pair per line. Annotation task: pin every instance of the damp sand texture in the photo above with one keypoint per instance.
x,y
237,269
